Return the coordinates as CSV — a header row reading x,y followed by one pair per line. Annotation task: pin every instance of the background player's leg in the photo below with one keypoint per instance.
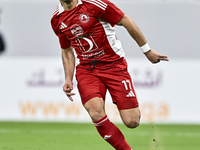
x,y
107,130
130,117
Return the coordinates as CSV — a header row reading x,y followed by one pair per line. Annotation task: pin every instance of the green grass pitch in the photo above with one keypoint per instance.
x,y
83,136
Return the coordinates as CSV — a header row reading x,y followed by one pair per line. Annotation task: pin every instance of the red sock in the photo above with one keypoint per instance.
x,y
111,134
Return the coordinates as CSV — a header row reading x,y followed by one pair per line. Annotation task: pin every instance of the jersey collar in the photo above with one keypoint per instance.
x,y
79,2
61,9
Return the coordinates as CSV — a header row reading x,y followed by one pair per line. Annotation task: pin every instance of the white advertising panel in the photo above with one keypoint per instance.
x,y
31,90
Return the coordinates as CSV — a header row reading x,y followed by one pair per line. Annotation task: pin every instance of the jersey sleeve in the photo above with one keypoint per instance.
x,y
64,42
112,13
106,10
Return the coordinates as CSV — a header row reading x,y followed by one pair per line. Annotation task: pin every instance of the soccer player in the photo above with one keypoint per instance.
x,y
88,27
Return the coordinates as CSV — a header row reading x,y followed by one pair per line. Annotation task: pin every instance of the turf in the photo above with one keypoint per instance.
x,y
83,136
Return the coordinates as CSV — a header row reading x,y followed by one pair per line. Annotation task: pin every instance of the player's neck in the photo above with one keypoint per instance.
x,y
70,6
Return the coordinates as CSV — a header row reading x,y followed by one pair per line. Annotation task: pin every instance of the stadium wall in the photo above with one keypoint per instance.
x,y
31,90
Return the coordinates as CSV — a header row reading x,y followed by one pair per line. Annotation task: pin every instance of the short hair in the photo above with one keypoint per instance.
x,y
67,1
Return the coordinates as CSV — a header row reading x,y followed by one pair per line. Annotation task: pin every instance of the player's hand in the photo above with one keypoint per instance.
x,y
67,88
155,57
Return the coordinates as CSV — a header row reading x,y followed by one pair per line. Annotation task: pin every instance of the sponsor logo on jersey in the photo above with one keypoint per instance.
x,y
94,55
76,30
84,18
86,43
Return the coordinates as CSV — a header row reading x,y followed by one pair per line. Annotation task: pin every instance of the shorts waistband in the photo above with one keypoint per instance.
x,y
100,64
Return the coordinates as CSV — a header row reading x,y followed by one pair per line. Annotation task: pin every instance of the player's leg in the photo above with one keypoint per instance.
x,y
130,117
95,108
107,130
92,91
121,88
127,104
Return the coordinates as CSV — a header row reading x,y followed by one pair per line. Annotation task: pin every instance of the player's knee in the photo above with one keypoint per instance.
x,y
132,123
95,108
96,112
96,115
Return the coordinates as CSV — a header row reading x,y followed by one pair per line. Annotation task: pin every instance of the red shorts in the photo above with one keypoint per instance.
x,y
95,82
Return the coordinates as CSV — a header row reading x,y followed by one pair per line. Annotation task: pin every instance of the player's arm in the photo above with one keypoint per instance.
x,y
69,65
138,36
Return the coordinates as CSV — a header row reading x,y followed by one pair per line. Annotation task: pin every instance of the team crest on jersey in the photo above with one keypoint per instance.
x,y
76,30
84,18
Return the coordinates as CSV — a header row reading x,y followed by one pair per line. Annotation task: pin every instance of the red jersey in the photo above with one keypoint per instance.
x,y
89,29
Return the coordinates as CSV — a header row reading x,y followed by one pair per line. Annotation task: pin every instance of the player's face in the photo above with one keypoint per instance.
x,y
66,1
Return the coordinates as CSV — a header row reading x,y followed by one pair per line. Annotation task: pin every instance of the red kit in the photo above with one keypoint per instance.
x,y
90,29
